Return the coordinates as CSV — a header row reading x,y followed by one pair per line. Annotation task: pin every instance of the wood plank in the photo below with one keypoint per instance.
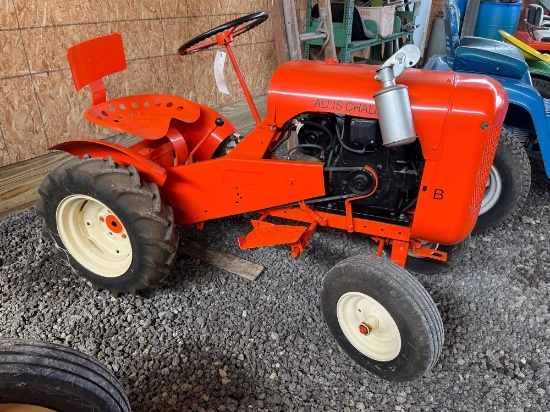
x,y
19,182
279,32
292,30
222,260
240,115
329,50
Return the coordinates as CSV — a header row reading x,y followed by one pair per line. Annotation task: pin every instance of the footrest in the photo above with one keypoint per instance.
x,y
268,234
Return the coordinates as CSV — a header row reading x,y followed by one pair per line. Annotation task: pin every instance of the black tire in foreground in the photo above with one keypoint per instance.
x,y
108,224
382,317
56,377
542,86
508,185
428,266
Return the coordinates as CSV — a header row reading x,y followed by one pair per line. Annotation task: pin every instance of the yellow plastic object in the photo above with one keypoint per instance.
x,y
527,51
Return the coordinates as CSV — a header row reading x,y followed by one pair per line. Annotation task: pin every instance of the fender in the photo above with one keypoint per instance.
x,y
525,96
539,68
149,170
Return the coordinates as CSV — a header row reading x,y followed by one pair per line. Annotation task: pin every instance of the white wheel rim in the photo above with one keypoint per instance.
x,y
368,326
493,190
22,407
94,235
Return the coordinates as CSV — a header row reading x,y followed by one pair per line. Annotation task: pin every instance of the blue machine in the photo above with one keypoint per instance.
x,y
528,115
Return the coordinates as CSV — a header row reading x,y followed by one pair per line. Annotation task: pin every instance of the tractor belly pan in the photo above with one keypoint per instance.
x,y
457,118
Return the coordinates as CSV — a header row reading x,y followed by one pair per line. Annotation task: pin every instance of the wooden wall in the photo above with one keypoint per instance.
x,y
39,105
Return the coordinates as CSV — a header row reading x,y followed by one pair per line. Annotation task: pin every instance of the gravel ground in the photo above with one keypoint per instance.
x,y
208,340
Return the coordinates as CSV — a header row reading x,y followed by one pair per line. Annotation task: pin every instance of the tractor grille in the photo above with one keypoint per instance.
x,y
485,168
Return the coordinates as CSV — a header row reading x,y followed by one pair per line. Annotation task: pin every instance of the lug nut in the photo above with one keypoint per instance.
x,y
364,329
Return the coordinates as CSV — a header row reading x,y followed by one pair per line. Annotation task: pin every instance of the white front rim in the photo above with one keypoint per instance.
x,y
368,326
22,407
493,190
94,235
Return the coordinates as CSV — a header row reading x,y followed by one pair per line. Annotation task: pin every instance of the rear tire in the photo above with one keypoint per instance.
x,y
508,185
108,224
382,318
56,377
542,86
428,266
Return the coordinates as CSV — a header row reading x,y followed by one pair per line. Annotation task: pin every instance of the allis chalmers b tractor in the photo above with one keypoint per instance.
x,y
404,163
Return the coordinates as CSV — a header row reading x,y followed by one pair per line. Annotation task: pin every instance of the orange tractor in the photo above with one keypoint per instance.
x,y
404,163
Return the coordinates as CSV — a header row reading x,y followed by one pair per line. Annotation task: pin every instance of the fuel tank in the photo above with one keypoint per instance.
x,y
457,117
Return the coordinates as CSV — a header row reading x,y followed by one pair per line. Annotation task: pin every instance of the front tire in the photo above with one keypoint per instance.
x,y
35,375
382,318
108,224
508,185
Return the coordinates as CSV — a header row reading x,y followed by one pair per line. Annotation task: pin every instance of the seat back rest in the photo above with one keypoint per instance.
x,y
535,15
451,16
94,59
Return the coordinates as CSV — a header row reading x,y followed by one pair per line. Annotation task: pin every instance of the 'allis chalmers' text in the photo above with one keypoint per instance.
x,y
339,105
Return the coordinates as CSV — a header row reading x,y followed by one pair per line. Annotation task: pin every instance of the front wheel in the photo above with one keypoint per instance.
x,y
39,377
108,224
382,317
508,184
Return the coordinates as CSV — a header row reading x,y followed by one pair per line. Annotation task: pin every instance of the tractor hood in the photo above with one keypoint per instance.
x,y
301,86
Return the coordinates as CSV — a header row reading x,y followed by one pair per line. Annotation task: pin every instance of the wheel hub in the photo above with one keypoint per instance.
x,y
368,326
364,329
94,235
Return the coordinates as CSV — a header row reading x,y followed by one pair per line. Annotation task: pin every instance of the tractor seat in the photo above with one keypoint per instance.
x,y
492,57
146,116
479,55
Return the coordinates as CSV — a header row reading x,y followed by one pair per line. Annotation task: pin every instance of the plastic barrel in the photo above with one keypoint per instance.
x,y
494,16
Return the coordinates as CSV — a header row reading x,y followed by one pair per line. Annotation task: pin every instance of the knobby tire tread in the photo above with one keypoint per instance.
x,y
118,182
518,155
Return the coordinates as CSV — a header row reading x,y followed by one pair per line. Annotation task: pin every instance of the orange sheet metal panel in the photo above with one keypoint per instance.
x,y
452,188
203,126
226,186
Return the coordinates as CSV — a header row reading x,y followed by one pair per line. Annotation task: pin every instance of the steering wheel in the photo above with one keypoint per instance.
x,y
233,30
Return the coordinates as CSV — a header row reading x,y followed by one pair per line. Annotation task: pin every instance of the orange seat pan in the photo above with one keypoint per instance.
x,y
147,116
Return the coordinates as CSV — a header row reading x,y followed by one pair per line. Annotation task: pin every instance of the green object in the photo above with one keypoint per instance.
x,y
538,68
342,31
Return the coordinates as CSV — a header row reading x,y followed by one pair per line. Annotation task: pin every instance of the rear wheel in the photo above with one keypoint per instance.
x,y
508,184
108,224
542,86
382,318
38,377
428,266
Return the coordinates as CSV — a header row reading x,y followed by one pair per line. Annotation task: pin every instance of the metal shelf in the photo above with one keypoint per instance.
x,y
342,32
